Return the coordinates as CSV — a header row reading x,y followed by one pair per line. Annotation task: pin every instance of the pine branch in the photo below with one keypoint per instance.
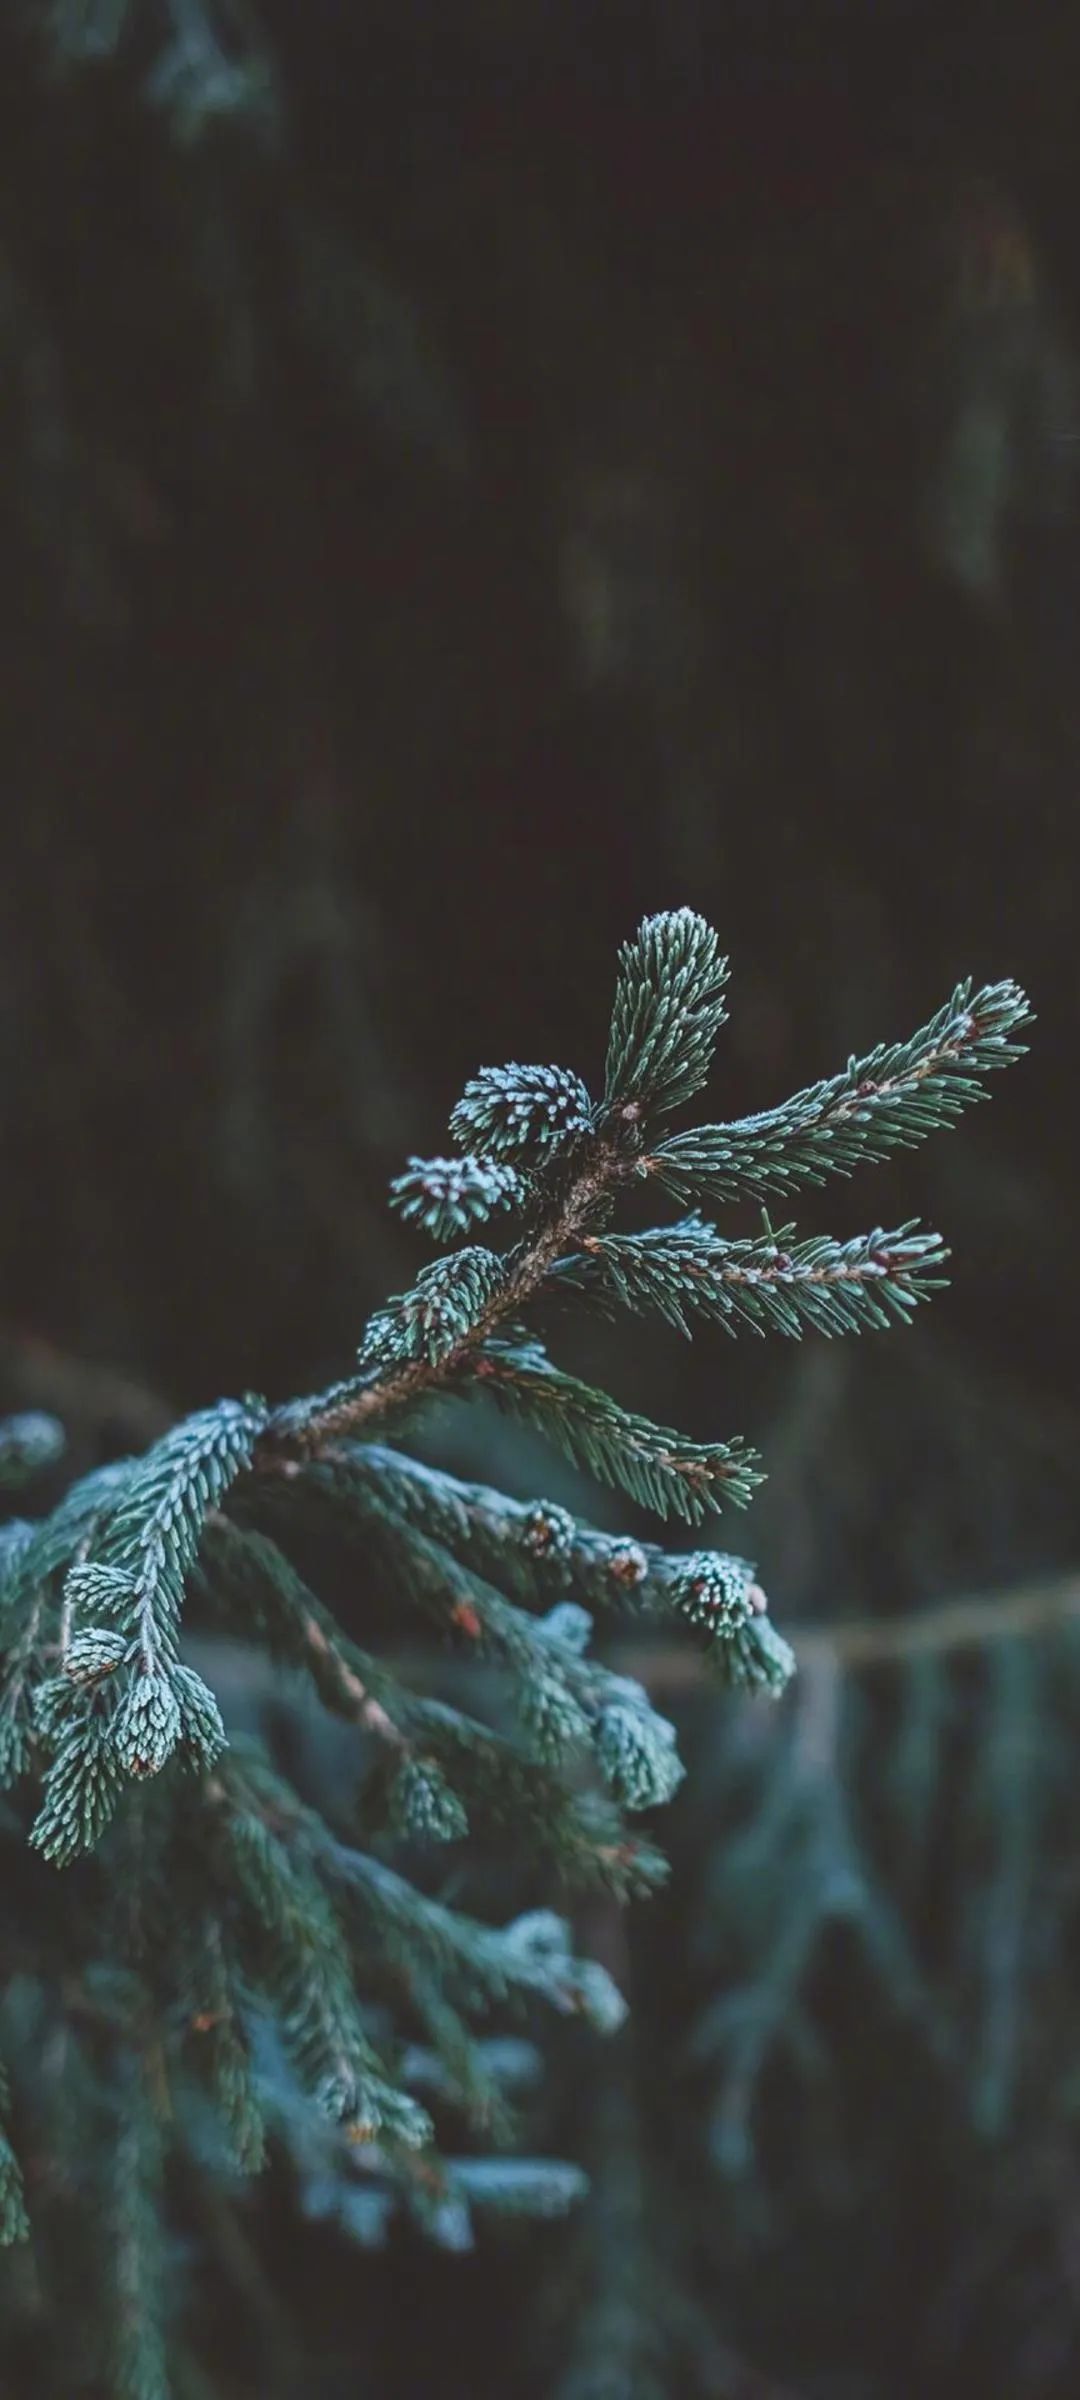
x,y
654,1466
137,1574
889,1100
222,2050
420,1346
447,1761
525,1547
531,1955
264,1839
249,1581
668,1010
260,1593
277,1949
32,1559
130,1708
299,1877
668,1007
123,1703
771,1283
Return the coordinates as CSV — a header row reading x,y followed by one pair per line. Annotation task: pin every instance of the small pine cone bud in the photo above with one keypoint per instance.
x,y
202,1733
627,1564
637,1754
721,1595
147,1726
514,1110
94,1652
447,1195
552,1714
548,1533
423,1807
715,1592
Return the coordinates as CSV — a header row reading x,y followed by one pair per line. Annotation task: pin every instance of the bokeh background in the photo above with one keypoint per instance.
x,y
471,475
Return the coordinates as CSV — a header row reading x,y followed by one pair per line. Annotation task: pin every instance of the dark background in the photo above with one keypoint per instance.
x,y
515,467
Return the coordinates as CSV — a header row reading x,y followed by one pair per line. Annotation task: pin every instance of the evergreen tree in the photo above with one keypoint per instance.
x,y
240,1967
652,433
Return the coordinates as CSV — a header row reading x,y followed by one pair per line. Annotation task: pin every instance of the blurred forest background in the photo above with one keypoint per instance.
x,y
469,476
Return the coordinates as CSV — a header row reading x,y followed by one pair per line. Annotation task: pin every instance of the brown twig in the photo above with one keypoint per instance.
x,y
308,1431
355,1699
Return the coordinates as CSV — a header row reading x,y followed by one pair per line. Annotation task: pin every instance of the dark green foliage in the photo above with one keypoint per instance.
x,y
444,1196
888,1100
144,2290
637,1753
82,1785
258,1958
313,755
522,1112
669,1007
653,1465
201,1734
94,1652
447,1302
770,1283
122,1711
827,1860
721,1597
423,1806
620,2322
146,1727
151,1537
522,1546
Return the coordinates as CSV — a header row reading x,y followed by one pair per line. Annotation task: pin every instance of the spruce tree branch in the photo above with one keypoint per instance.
x,y
306,1428
888,1100
354,1699
981,1621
